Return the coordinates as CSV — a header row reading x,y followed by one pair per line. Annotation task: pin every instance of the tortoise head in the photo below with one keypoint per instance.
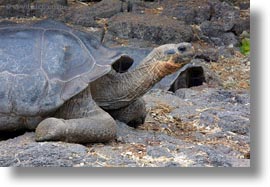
x,y
172,57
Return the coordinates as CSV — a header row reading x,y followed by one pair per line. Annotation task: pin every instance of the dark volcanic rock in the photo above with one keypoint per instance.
x,y
229,38
219,21
106,8
226,52
25,152
15,9
38,8
220,29
225,13
242,24
216,141
216,32
14,2
89,0
244,5
149,24
80,15
77,14
234,108
157,29
49,9
156,152
190,11
87,15
230,121
213,29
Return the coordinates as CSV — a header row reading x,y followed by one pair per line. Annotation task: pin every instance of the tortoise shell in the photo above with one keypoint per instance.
x,y
44,64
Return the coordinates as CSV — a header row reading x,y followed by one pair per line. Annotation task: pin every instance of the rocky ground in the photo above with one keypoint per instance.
x,y
202,127
198,117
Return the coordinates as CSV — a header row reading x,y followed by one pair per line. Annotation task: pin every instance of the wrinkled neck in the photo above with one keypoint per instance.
x,y
117,90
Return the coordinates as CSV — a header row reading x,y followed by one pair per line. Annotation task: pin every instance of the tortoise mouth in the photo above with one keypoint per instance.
x,y
173,65
184,58
180,61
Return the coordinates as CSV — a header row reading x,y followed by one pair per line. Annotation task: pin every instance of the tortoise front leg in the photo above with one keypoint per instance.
x,y
133,115
79,120
100,127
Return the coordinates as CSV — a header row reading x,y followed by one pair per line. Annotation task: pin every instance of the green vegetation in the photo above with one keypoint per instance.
x,y
245,46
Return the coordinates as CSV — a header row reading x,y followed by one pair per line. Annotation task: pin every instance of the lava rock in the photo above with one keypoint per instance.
x,y
242,24
226,52
148,148
229,39
49,9
106,8
157,29
230,121
213,29
216,32
14,2
88,15
156,152
190,11
225,13
80,15
244,5
25,152
89,0
15,8
223,25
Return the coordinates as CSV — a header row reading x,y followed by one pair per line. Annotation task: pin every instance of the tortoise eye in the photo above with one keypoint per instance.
x,y
170,52
182,48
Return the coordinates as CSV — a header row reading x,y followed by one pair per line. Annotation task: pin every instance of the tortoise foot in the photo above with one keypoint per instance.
x,y
100,127
50,129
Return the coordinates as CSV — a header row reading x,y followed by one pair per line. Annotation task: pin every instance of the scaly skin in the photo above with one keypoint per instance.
x,y
83,119
79,120
133,115
124,88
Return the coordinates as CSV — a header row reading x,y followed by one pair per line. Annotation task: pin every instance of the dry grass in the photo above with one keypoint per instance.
x,y
161,121
233,72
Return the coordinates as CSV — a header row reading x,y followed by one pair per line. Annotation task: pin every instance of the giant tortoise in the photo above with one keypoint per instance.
x,y
59,81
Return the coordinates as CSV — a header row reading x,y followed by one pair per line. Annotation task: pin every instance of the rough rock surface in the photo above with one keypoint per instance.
x,y
191,128
190,11
216,22
157,29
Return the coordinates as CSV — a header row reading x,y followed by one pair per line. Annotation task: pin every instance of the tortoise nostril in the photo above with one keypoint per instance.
x,y
182,48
